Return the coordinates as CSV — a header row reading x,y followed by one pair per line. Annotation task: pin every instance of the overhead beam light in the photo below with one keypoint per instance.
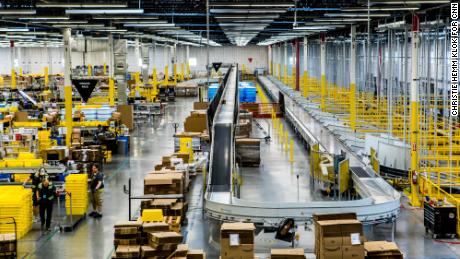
x,y
66,22
357,15
149,25
390,8
104,11
80,5
13,29
287,5
344,20
246,11
125,17
259,16
409,2
45,18
17,11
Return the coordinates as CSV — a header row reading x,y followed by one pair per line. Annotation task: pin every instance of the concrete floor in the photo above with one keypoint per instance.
x,y
94,237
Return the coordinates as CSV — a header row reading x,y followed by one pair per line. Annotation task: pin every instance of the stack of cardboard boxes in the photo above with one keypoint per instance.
x,y
338,236
237,241
135,239
127,233
196,122
159,183
382,250
288,253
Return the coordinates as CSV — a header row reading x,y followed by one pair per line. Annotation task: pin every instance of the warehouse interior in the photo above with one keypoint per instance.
x,y
281,129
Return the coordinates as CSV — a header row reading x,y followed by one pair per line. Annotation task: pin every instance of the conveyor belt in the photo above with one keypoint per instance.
x,y
379,202
27,97
360,172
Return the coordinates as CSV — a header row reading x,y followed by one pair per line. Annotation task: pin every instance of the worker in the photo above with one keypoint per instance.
x,y
36,178
46,193
97,191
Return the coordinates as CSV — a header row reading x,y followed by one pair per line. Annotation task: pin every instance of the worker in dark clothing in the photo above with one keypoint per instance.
x,y
46,194
36,179
97,191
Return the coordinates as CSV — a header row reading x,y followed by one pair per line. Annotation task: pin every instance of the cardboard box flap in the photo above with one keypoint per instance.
x,y
380,246
121,224
158,179
237,227
288,251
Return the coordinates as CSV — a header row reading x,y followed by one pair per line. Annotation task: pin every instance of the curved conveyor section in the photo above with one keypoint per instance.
x,y
380,202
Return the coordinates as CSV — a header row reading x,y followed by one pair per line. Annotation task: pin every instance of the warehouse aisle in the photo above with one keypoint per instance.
x,y
94,237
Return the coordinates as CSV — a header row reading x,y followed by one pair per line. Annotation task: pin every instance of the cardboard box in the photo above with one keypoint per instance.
x,y
21,116
126,112
127,251
353,252
288,253
331,253
200,105
155,227
242,251
166,238
196,254
242,245
332,241
382,250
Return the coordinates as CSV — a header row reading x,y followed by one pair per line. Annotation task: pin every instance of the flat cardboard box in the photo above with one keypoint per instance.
x,y
288,253
158,179
166,237
155,227
200,105
353,252
196,254
128,251
126,230
181,250
128,224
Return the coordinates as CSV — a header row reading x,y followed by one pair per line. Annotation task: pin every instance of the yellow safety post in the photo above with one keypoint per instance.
x,y
270,69
182,72
90,70
137,82
166,81
13,79
20,72
46,75
286,140
305,84
175,73
104,69
68,114
154,84
111,92
2,82
291,151
188,71
279,71
285,80
280,131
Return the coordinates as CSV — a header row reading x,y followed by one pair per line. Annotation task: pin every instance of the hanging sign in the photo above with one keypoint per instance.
x,y
216,65
85,87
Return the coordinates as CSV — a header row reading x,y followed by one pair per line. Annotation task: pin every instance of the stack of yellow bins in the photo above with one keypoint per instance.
x,y
16,202
77,185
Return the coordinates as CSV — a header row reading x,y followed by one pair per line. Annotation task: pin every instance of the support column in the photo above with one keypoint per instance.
x,y
137,55
297,65
414,99
110,54
110,70
305,67
323,72
174,62
154,72
270,60
187,61
279,61
67,91
353,78
13,68
285,78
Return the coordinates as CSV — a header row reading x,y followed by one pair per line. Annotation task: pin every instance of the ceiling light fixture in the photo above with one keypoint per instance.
x,y
246,11
13,29
45,18
104,11
80,5
16,11
357,15
389,8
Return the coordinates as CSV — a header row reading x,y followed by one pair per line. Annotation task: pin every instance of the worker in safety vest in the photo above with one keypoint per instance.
x,y
46,193
36,179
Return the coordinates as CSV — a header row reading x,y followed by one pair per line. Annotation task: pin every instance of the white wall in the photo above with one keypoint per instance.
x,y
33,60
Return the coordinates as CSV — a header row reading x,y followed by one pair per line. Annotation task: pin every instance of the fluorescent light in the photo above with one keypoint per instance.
x,y
66,22
392,25
79,25
390,8
149,25
357,15
45,18
13,29
111,30
252,4
145,22
408,2
104,11
17,11
259,16
79,5
247,11
344,20
125,17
